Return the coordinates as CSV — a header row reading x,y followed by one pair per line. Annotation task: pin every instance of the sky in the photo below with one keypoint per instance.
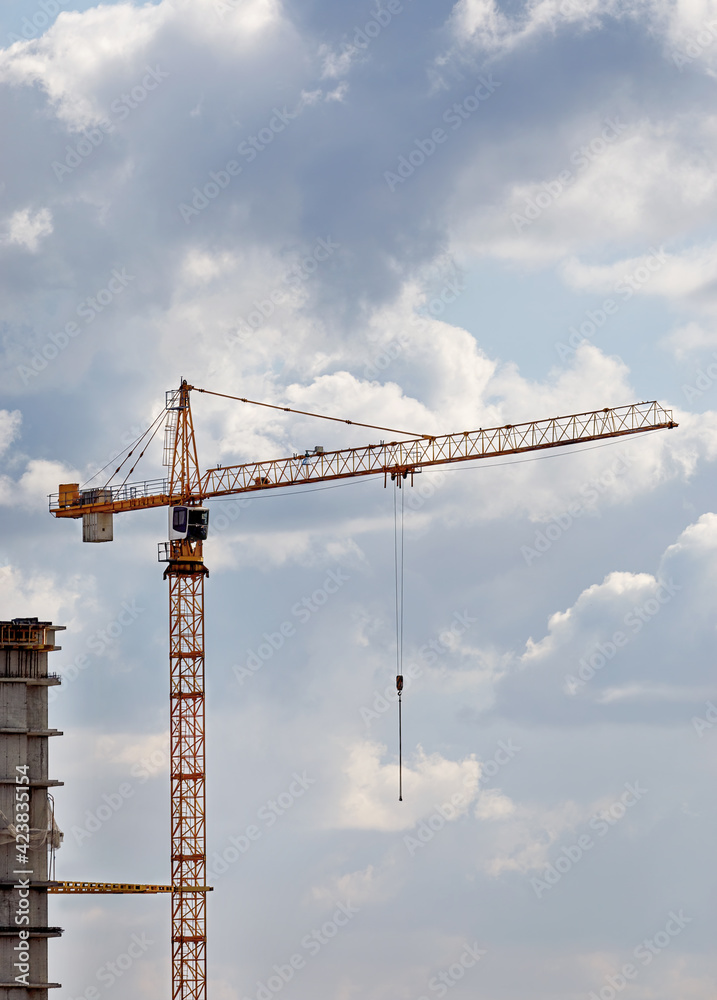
x,y
428,216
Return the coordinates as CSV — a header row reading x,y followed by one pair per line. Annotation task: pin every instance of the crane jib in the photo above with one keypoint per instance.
x,y
395,457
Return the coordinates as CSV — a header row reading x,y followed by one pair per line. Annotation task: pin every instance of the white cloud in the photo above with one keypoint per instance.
x,y
480,20
147,755
27,230
370,801
690,33
635,638
697,539
492,804
524,839
41,595
268,549
585,620
9,427
40,478
680,275
71,65
86,58
649,184
361,887
482,24
691,337
687,28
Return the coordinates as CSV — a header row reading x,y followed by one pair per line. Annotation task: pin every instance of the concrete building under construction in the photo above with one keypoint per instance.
x,y
28,833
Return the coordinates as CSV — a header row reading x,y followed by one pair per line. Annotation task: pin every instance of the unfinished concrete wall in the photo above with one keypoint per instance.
x,y
26,816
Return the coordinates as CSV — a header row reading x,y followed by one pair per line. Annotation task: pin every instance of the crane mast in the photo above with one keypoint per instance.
x,y
183,493
186,572
187,778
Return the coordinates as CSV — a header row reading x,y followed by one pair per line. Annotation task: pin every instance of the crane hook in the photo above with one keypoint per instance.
x,y
399,689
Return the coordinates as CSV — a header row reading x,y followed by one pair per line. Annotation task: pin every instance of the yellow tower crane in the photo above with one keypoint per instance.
x,y
184,492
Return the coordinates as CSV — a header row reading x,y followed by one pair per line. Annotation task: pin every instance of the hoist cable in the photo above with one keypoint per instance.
x,y
401,604
399,576
395,581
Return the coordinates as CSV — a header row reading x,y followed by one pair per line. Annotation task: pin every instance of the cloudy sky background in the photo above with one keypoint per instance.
x,y
344,271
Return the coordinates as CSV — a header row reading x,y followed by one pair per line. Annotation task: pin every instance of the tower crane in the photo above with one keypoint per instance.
x,y
184,493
